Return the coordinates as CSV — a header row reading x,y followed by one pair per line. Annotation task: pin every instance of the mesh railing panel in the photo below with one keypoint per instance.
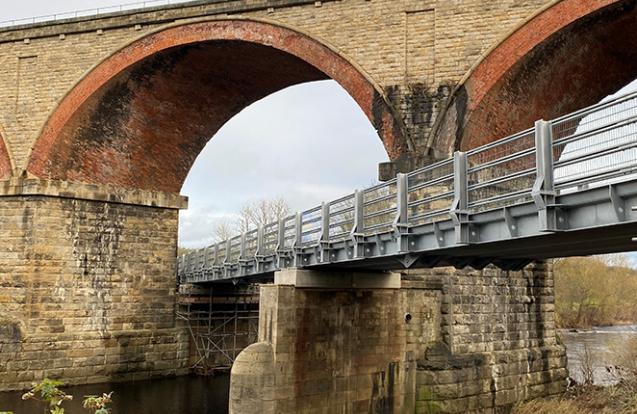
x,y
430,193
594,146
379,208
311,222
501,173
341,217
270,238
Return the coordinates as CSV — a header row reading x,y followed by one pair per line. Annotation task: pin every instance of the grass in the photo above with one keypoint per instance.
x,y
617,399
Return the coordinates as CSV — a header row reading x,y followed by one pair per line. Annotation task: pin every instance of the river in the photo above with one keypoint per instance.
x,y
184,395
606,346
209,395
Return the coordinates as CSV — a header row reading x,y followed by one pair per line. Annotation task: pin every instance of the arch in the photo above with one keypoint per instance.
x,y
139,118
569,55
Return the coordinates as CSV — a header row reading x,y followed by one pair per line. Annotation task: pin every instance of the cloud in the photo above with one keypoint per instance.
x,y
307,144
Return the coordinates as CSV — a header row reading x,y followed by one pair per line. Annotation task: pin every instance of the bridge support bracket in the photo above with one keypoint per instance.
x,y
619,205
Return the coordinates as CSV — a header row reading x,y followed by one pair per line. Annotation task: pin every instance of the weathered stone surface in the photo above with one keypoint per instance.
x,y
498,343
450,341
412,53
348,350
87,292
253,380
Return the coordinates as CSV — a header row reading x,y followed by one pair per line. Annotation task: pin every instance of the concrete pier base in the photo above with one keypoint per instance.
x,y
336,348
442,340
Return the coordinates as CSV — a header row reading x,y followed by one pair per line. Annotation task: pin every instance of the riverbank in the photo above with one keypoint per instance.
x,y
609,354
614,399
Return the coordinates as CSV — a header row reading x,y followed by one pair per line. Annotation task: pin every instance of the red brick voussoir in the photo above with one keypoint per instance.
x,y
141,116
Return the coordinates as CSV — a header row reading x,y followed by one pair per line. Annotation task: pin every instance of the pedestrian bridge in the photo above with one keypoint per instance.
x,y
562,188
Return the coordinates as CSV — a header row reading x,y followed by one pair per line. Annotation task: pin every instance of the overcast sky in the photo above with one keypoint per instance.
x,y
307,143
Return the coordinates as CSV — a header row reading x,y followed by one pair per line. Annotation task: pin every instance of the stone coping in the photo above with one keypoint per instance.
x,y
150,15
91,192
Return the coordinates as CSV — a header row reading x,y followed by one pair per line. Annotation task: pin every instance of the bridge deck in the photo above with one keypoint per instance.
x,y
563,188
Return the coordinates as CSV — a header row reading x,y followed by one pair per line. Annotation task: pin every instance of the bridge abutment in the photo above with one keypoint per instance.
x,y
442,340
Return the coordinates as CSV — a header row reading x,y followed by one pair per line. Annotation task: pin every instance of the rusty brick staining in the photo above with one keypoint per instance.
x,y
100,121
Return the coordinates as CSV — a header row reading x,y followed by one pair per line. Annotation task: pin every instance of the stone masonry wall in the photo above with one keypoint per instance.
x,y
335,351
499,344
447,341
87,292
416,50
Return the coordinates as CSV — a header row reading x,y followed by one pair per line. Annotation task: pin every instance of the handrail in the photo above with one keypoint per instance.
x,y
348,228
94,12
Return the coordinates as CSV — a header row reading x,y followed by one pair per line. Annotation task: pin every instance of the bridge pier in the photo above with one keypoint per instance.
x,y
87,284
441,340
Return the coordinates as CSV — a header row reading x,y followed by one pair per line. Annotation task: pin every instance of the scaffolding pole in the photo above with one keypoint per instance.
x,y
221,324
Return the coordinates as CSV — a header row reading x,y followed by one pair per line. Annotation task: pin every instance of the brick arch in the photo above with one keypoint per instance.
x,y
569,55
5,159
140,118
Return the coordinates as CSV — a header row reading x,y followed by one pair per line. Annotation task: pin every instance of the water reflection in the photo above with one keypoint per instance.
x,y
184,395
605,346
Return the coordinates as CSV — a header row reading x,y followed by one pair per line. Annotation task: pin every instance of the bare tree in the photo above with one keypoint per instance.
x,y
250,217
262,212
224,229
587,367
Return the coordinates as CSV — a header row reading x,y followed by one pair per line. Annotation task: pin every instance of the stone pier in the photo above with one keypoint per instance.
x,y
87,284
441,340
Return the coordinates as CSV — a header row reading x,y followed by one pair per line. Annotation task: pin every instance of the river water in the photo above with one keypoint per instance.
x,y
606,346
209,395
184,395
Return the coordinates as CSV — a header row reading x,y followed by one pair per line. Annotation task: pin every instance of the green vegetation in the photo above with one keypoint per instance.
x,y
595,291
49,393
616,399
97,404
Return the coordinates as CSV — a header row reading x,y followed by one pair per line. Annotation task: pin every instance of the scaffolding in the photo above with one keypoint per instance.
x,y
221,323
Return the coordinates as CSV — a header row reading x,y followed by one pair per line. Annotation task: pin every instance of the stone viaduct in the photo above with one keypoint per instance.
x,y
102,117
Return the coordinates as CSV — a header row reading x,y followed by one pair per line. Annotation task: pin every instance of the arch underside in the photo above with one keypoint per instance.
x,y
5,160
572,67
140,121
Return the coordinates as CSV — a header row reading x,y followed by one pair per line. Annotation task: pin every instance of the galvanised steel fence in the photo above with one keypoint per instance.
x,y
532,183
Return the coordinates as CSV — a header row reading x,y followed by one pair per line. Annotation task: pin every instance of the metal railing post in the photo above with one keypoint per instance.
x,y
459,210
242,246
298,238
258,253
215,262
260,241
543,191
280,245
216,259
324,239
226,260
358,229
401,222
206,265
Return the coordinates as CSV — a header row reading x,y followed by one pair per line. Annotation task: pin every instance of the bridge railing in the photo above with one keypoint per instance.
x,y
98,11
596,144
587,148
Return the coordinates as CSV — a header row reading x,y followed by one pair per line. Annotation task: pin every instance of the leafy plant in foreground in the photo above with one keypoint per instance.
x,y
98,404
48,392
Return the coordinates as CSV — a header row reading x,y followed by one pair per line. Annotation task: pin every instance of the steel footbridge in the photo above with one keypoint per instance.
x,y
564,187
